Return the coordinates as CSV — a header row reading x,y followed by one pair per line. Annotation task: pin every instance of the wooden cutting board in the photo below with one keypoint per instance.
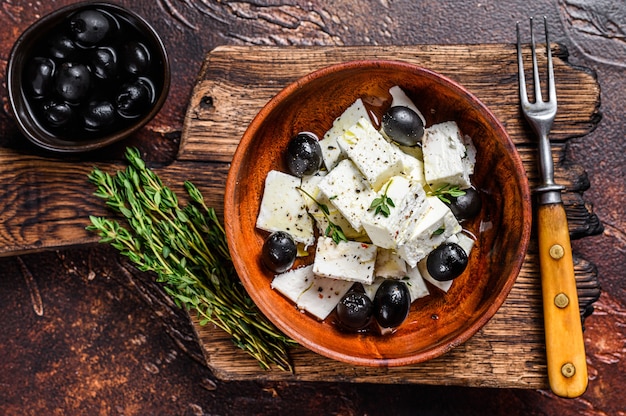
x,y
235,82
46,201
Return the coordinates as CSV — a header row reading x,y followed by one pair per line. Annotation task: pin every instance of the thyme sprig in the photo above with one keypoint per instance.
x,y
381,204
446,190
185,246
333,230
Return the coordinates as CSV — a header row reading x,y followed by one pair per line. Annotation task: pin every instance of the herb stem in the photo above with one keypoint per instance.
x,y
185,246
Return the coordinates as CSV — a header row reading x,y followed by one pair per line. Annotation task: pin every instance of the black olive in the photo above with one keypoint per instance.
x,y
304,154
134,98
392,303
61,47
73,81
403,125
354,310
57,114
446,262
279,251
99,115
467,206
90,27
103,62
40,73
136,58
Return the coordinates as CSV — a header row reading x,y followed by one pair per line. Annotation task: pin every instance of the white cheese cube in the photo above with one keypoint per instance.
x,y
447,160
323,296
466,242
331,153
371,153
410,205
294,282
399,98
416,284
348,260
310,186
469,160
348,191
412,168
430,231
370,290
389,265
283,208
443,285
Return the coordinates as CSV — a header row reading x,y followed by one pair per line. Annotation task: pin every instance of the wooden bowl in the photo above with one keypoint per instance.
x,y
440,321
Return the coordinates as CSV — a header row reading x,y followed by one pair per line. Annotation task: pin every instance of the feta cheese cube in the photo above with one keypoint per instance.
x,y
416,284
331,153
466,242
348,191
283,208
294,282
438,224
371,153
410,205
314,294
412,168
370,290
323,296
447,160
389,265
348,260
442,285
310,186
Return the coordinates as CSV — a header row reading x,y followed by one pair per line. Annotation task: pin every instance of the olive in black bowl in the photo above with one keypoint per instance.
x,y
85,76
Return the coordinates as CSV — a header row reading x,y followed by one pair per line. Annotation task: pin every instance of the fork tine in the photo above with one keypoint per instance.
x,y
520,70
551,84
536,80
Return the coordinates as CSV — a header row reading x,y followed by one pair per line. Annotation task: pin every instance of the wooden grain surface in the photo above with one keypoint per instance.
x,y
236,82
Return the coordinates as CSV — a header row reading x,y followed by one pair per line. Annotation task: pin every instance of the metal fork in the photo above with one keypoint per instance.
x,y
565,348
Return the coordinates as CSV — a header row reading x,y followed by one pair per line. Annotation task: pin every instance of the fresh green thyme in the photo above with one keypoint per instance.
x,y
185,246
333,230
381,204
447,190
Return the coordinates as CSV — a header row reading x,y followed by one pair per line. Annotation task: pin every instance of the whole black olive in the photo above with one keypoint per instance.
x,y
134,98
279,251
99,115
103,62
57,114
136,58
392,303
304,154
446,262
90,26
467,206
61,47
40,73
354,310
73,81
403,125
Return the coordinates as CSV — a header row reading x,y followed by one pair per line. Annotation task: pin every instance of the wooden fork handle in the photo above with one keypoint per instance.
x,y
565,347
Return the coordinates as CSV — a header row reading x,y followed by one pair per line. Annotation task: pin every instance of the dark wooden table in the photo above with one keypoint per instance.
x,y
85,333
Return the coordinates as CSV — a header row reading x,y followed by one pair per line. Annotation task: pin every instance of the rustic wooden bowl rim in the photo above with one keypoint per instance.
x,y
242,264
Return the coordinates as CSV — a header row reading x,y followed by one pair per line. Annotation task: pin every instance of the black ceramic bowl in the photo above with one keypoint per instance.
x,y
78,82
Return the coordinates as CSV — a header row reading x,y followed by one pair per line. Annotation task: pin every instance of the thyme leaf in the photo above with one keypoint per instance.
x,y
446,190
185,247
333,230
381,204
